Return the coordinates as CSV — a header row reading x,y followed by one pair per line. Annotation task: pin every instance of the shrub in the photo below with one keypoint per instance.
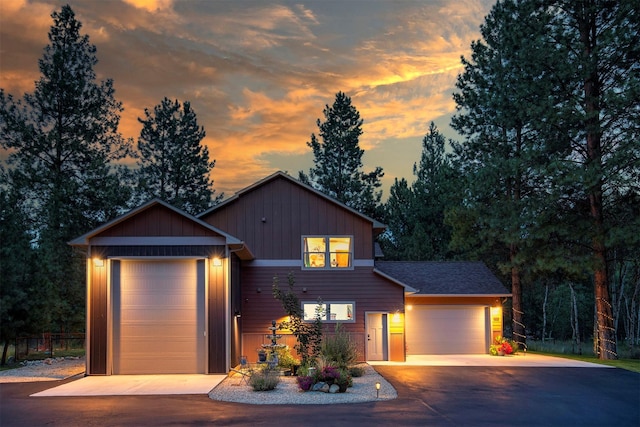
x,y
264,380
356,371
339,349
304,382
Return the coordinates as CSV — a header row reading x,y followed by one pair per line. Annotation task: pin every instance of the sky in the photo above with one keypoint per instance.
x,y
258,74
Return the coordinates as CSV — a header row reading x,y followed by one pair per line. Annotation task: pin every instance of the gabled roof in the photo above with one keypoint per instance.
x,y
376,224
233,242
431,278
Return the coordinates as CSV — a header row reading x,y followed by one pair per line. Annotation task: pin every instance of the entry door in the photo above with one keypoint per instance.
x,y
376,336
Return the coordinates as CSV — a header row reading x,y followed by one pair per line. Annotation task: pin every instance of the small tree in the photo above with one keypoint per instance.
x,y
308,335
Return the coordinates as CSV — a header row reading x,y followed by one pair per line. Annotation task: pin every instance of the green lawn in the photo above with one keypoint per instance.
x,y
628,364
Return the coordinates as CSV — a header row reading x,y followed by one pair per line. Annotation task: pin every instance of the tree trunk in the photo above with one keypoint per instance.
x,y
5,348
519,332
544,312
575,327
591,88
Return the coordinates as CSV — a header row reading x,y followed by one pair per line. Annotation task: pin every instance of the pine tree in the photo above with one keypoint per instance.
x,y
63,141
501,158
549,107
338,160
415,215
174,166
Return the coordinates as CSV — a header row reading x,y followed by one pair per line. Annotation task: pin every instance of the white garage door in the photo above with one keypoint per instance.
x,y
446,330
158,318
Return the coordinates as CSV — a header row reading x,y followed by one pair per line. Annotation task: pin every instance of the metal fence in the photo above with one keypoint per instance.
x,y
48,344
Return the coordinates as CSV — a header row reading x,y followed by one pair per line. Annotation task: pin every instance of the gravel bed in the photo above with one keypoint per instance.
x,y
232,389
51,369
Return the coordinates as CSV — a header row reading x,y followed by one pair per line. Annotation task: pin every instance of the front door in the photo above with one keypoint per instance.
x,y
376,336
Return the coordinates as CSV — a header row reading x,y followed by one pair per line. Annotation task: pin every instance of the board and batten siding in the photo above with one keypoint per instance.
x,y
272,219
367,290
98,319
156,221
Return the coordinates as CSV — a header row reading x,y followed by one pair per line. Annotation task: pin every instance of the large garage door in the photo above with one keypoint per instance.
x,y
158,318
446,330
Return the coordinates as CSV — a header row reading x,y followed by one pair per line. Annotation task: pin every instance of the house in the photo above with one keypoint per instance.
x,y
168,292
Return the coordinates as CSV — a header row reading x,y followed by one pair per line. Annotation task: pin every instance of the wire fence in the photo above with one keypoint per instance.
x,y
48,344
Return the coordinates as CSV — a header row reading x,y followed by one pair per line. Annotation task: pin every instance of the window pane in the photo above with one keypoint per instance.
x,y
314,252
340,251
310,311
341,311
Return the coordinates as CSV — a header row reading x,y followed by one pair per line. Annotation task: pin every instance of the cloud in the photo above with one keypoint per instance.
x,y
258,74
151,5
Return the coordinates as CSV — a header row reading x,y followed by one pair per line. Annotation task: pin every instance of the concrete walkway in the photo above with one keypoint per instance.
x,y
121,385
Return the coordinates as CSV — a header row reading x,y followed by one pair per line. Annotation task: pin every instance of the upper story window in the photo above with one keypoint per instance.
x,y
327,252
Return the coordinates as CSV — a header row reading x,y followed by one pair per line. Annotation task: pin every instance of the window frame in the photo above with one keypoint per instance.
x,y
326,254
328,313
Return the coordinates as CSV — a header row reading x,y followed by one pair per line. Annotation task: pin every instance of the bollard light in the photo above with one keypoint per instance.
x,y
377,390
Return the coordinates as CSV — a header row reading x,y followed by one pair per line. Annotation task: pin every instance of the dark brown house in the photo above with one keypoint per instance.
x,y
171,293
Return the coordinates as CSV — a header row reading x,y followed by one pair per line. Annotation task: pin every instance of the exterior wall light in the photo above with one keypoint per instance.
x,y
98,262
216,262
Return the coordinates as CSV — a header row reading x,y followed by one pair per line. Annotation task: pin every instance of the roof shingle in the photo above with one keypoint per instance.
x,y
444,278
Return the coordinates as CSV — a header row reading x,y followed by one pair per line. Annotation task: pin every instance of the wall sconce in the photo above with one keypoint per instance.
x,y
238,314
304,290
263,219
259,290
377,390
216,262
396,317
98,262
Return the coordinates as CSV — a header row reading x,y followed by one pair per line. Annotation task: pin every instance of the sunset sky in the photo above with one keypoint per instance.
x,y
259,73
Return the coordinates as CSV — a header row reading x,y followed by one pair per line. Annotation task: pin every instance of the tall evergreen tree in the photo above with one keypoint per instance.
x,y
415,215
174,166
549,106
62,141
16,258
501,155
338,160
597,113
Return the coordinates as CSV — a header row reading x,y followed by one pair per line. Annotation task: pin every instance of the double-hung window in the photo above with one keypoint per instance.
x,y
329,311
327,252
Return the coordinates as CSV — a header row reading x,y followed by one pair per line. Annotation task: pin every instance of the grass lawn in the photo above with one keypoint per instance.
x,y
628,364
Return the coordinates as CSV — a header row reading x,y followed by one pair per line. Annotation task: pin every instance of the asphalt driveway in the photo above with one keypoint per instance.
x,y
427,395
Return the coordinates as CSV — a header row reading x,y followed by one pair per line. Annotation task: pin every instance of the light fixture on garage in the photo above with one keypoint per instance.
x,y
216,262
98,262
238,314
396,317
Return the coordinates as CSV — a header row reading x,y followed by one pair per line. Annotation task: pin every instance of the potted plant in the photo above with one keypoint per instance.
x,y
502,346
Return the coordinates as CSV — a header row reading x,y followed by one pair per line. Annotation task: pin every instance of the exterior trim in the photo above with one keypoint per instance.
x,y
158,241
461,295
297,263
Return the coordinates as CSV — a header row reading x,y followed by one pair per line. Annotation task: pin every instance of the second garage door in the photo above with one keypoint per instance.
x,y
158,318
447,330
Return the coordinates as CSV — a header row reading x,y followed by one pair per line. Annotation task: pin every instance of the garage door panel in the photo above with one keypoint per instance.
x,y
157,313
446,330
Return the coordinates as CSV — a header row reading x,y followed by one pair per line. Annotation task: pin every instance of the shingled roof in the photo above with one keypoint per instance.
x,y
444,278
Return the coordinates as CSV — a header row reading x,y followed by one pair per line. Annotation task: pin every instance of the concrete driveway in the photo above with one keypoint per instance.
x,y
523,360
